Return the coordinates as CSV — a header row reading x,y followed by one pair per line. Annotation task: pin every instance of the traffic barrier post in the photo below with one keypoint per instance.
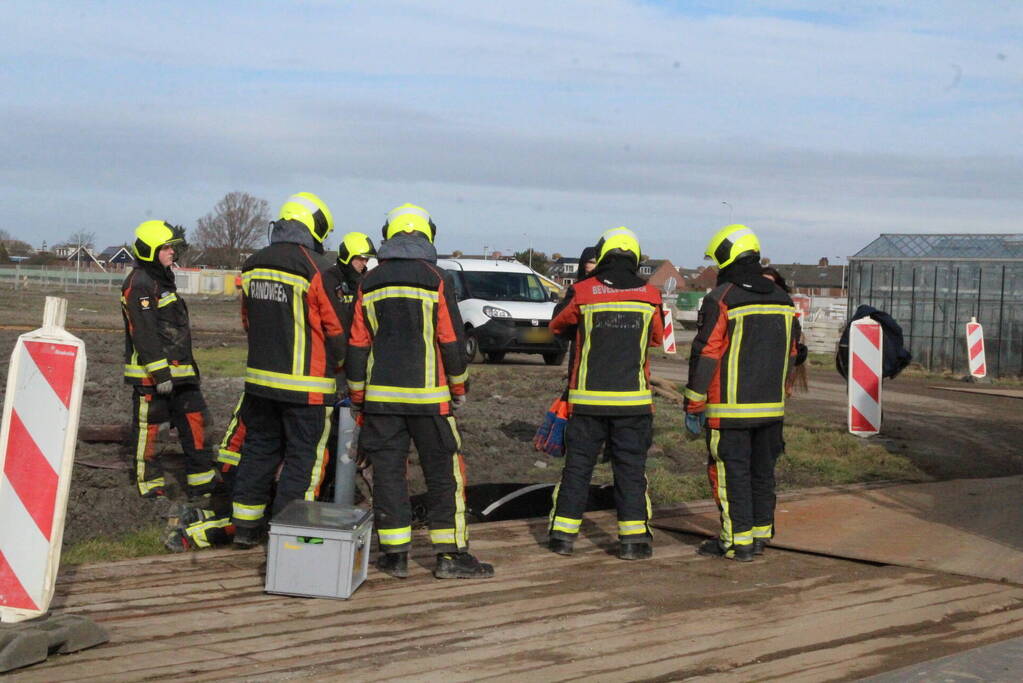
x,y
865,368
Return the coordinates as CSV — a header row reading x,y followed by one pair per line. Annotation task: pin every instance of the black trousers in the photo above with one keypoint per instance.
x,y
384,440
628,439
741,473
291,436
185,409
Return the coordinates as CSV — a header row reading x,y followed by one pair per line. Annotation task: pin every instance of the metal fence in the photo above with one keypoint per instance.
x,y
43,278
934,299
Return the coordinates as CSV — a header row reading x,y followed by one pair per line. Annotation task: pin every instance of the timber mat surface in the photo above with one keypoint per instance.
x,y
972,527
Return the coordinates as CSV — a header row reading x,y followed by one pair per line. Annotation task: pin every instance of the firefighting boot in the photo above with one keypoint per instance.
x,y
461,566
560,546
714,548
758,545
635,551
176,541
246,537
395,564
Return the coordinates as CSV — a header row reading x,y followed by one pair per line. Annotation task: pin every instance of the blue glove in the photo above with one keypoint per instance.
x,y
555,444
695,423
544,430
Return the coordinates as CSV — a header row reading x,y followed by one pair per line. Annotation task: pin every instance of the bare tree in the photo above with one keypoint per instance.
x,y
236,225
82,238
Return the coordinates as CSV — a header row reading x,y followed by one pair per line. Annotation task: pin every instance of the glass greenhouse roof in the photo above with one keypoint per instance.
x,y
1001,247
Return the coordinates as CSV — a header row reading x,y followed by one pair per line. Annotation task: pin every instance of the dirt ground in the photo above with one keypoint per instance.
x,y
940,435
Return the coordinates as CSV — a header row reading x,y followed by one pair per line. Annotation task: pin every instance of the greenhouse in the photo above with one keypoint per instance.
x,y
933,284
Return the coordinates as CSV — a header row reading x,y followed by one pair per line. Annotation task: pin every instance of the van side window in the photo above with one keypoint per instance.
x,y
459,288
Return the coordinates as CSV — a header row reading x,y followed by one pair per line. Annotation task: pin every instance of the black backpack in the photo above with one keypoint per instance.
x,y
895,356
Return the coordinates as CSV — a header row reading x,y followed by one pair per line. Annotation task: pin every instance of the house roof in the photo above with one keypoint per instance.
x,y
996,247
111,252
799,275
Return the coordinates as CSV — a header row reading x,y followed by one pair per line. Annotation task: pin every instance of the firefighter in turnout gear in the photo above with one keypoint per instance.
x,y
406,371
745,346
613,317
159,364
296,346
352,257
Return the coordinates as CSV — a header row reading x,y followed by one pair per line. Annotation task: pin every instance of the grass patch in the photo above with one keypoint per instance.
x,y
222,361
147,541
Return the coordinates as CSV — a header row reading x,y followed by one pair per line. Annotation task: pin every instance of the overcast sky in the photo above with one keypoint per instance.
x,y
818,124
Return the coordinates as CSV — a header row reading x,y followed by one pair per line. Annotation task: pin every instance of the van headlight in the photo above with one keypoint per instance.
x,y
495,312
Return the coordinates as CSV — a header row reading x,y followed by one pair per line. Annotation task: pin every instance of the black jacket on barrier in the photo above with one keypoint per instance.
x,y
406,352
342,281
296,341
745,344
157,332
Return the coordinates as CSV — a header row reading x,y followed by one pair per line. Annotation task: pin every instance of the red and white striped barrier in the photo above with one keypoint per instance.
x,y
865,366
669,330
37,447
975,348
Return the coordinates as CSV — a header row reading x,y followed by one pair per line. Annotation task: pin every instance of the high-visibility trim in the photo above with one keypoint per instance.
x,y
296,281
401,292
156,365
167,300
761,309
355,386
249,513
632,528
280,380
618,398
399,536
442,535
429,347
734,345
459,379
386,394
183,370
407,209
147,486
746,409
566,525
178,371
458,470
200,478
197,532
619,306
316,476
742,538
722,488
140,448
228,457
554,507
693,395
298,345
763,531
643,346
788,356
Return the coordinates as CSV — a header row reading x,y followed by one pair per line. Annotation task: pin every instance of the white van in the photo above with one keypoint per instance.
x,y
505,308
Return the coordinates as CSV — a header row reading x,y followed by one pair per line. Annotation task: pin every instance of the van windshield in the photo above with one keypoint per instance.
x,y
497,286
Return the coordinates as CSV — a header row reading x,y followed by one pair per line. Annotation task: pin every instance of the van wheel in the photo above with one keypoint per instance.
x,y
472,347
494,356
554,358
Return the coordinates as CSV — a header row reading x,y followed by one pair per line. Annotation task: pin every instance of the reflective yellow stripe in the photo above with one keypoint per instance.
x,y
250,513
175,370
459,379
197,532
788,357
742,538
621,306
399,536
296,281
746,409
566,525
167,300
385,394
298,346
761,309
228,457
693,396
722,488
617,398
147,486
461,528
279,380
201,478
629,528
321,450
442,535
554,506
429,347
355,386
156,365
734,344
140,447
763,531
400,292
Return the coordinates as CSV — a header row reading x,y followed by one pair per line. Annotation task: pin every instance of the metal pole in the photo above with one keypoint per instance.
x,y
955,323
934,315
891,294
1001,312
871,290
980,288
912,308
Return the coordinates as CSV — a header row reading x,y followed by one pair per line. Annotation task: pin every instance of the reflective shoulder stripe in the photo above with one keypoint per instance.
x,y
167,300
280,380
761,309
616,398
385,394
620,306
272,275
400,292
